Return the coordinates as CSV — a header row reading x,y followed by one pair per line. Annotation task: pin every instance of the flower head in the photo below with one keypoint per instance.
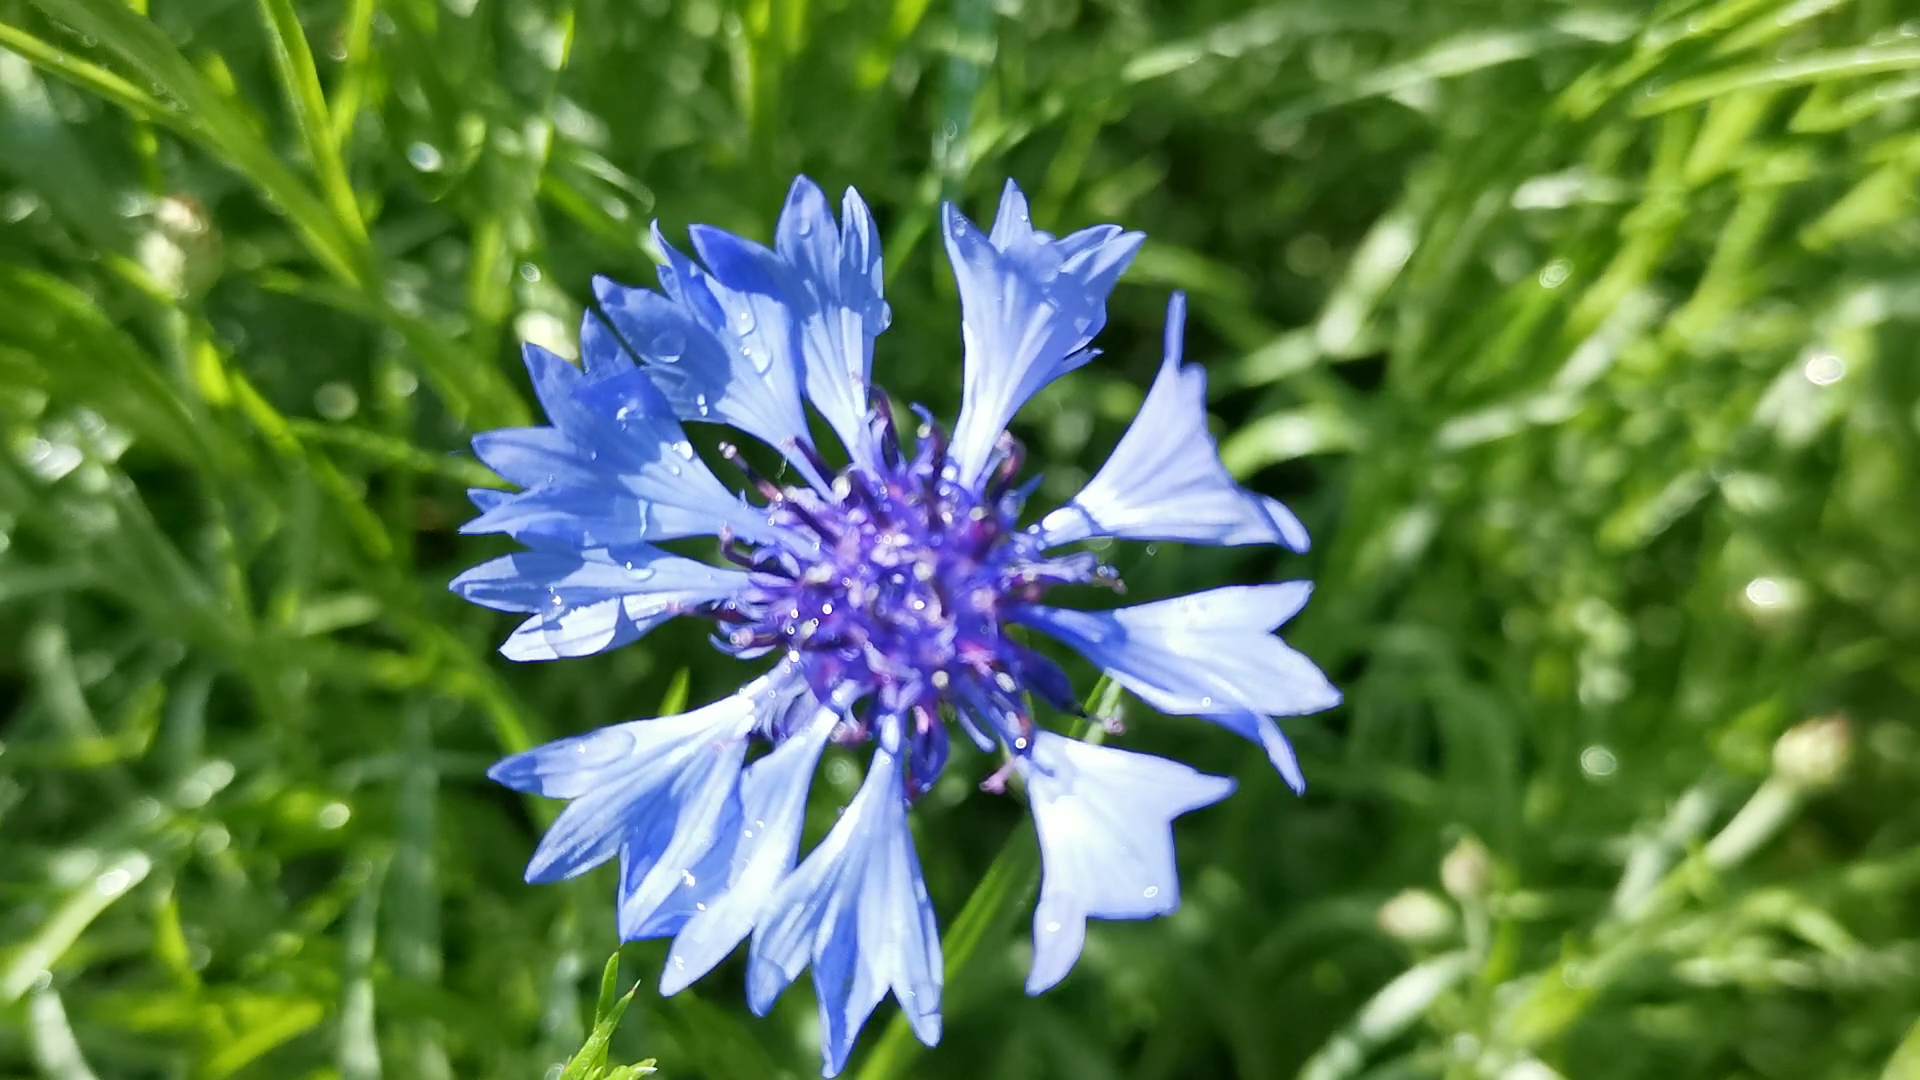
x,y
891,593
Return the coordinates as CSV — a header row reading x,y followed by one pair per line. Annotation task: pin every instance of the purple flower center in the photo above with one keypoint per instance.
x,y
899,581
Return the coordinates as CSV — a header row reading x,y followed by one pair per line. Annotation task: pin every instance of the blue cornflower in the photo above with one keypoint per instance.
x,y
884,591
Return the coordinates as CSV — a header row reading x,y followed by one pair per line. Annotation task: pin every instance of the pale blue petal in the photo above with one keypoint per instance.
x,y
856,910
1105,819
485,499
1165,481
1029,306
773,801
588,601
646,789
720,346
615,444
578,517
833,278
534,456
1210,654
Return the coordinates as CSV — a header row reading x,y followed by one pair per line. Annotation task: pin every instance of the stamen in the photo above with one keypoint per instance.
x,y
933,445
1012,457
738,553
996,784
764,486
812,454
889,432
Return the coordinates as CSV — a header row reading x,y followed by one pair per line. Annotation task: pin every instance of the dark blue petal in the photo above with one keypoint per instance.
x,y
1029,305
857,911
833,285
1105,819
1209,654
603,353
1165,481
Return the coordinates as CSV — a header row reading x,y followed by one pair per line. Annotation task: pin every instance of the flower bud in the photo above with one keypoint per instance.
x,y
1466,870
1812,754
1416,917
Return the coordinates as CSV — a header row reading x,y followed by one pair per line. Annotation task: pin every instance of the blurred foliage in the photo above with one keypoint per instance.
x,y
1582,335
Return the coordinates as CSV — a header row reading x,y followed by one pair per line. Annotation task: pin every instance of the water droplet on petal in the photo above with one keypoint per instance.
x,y
1053,927
1151,891
886,316
668,346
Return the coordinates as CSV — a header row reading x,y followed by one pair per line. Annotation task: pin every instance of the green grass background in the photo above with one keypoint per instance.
x,y
1583,336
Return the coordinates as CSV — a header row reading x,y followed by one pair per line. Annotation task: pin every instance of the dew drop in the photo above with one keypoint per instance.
x,y
1053,928
687,879
1153,549
668,346
684,449
701,405
1151,891
424,156
886,316
743,320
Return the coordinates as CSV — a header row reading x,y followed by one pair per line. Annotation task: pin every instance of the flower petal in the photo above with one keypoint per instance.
x,y
589,601
1029,306
1105,819
833,286
1210,654
1165,481
720,345
639,786
773,808
857,910
616,447
575,517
